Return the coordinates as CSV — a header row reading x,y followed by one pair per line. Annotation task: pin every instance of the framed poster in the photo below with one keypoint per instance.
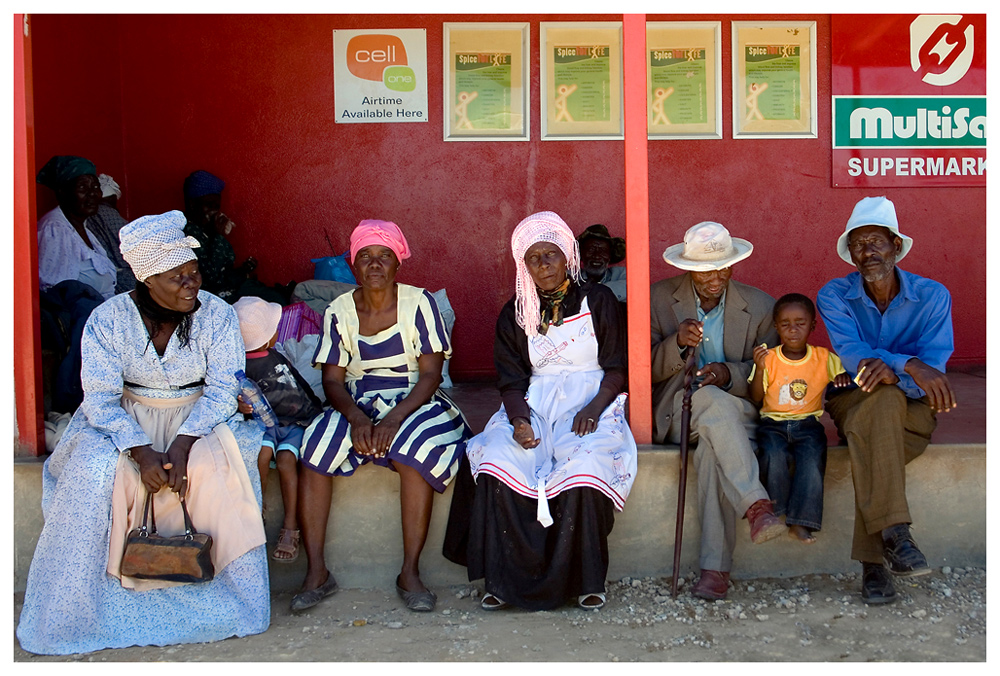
x,y
485,71
581,83
684,79
774,79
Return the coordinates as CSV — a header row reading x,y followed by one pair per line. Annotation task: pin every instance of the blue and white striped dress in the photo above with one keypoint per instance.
x,y
381,371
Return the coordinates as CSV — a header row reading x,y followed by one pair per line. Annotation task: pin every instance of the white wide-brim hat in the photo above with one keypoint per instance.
x,y
258,320
707,246
873,211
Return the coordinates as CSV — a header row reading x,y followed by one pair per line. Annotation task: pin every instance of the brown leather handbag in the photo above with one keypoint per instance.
x,y
179,558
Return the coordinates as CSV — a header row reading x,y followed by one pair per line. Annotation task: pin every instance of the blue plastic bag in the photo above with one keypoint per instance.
x,y
334,268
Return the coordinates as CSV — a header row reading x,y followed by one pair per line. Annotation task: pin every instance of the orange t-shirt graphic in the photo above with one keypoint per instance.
x,y
794,389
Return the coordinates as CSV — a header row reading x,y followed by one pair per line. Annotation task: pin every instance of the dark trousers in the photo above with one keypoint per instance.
x,y
792,459
884,429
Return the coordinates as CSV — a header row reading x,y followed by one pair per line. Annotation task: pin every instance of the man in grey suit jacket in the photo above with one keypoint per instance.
x,y
723,320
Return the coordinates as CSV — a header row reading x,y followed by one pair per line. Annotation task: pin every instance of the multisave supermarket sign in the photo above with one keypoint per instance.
x,y
909,103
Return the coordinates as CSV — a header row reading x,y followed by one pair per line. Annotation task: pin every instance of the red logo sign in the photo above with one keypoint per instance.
x,y
369,55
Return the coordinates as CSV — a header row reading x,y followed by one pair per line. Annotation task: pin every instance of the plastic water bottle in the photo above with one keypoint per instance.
x,y
252,395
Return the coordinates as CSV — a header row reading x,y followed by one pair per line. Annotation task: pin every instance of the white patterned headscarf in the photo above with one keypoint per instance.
x,y
545,226
155,244
109,187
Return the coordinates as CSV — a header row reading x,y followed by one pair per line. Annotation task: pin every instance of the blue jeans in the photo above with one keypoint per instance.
x,y
792,458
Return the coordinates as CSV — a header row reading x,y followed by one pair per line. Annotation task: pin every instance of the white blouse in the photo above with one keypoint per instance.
x,y
62,255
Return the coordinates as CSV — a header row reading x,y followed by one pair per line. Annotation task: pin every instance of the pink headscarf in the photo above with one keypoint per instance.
x,y
545,226
382,233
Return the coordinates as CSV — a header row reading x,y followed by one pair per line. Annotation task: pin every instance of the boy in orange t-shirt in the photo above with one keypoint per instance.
x,y
790,380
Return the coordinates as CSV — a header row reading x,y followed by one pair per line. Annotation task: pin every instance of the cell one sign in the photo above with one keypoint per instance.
x,y
909,100
380,76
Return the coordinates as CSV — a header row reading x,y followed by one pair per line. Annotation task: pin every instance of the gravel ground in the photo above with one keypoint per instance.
x,y
938,617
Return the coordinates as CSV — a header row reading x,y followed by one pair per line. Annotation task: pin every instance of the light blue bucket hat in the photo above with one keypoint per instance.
x,y
873,211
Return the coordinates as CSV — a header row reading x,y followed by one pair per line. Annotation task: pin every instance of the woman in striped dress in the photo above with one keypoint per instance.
x,y
382,351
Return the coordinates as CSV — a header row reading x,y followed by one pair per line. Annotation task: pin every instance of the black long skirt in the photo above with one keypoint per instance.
x,y
494,532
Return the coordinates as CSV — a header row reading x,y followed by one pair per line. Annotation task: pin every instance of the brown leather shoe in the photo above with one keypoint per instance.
x,y
712,585
764,525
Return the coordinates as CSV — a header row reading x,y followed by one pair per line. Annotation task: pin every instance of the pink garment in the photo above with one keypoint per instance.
x,y
545,226
220,496
298,320
383,233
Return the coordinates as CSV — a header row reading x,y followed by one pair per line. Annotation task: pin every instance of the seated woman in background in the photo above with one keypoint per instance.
x,y
67,250
75,272
158,411
207,224
106,224
382,350
558,458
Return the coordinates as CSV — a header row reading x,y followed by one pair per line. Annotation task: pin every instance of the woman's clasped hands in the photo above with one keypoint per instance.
x,y
157,470
374,438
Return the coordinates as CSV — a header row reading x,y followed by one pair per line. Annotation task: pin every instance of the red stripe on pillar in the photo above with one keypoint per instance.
x,y
27,340
637,228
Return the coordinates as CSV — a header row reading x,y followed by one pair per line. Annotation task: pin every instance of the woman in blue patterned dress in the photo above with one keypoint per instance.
x,y
382,351
158,412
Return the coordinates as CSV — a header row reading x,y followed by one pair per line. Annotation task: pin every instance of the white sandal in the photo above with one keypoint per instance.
x,y
591,606
492,602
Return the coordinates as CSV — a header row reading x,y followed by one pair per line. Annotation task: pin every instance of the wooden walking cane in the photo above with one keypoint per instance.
x,y
689,369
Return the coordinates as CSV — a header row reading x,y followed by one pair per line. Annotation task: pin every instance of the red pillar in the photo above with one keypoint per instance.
x,y
637,228
27,341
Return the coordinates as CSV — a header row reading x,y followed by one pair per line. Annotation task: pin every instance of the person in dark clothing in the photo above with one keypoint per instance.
x,y
552,466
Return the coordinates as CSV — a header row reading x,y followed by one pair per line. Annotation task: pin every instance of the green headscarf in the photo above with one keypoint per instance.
x,y
62,169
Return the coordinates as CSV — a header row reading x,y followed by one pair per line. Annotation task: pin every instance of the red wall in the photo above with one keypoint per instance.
x,y
250,98
78,94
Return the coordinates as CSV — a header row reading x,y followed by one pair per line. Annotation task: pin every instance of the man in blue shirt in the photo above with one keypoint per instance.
x,y
892,330
723,320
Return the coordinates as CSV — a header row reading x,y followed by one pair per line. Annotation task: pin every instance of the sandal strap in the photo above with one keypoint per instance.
x,y
288,541
287,534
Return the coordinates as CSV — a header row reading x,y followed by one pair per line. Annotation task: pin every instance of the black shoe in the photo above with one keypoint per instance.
x,y
900,553
876,584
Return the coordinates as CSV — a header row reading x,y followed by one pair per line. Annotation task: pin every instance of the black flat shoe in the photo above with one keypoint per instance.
x,y
876,584
900,553
420,602
308,599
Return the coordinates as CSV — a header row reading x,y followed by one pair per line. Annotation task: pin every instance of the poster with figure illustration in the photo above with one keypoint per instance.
x,y
774,79
485,70
581,80
683,79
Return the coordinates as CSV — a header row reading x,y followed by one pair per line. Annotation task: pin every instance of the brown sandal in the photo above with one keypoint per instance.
x,y
288,543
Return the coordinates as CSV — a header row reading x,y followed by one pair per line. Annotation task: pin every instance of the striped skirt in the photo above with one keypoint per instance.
x,y
431,440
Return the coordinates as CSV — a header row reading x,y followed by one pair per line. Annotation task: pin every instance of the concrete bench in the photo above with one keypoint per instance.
x,y
946,492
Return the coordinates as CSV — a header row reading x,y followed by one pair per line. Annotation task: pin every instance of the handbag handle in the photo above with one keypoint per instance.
x,y
149,511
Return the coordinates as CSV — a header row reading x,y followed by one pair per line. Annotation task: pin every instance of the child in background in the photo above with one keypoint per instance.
x,y
293,403
790,380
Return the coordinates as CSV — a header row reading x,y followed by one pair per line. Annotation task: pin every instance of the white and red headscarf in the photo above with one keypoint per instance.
x,y
545,226
382,233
